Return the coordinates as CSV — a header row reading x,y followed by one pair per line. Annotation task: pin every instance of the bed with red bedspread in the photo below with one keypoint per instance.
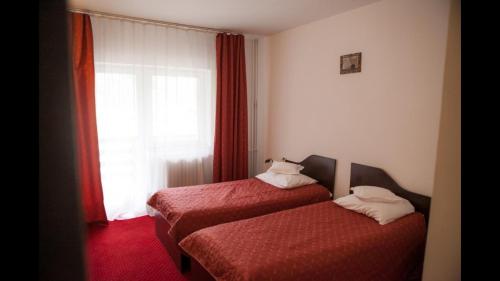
x,y
188,209
318,242
183,210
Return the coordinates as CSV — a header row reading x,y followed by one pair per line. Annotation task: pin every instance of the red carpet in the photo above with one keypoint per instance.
x,y
128,250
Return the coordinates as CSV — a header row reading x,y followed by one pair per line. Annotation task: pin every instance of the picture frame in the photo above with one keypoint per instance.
x,y
350,63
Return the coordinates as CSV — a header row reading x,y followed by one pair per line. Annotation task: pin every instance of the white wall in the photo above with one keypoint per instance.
x,y
257,53
263,77
442,257
251,75
387,115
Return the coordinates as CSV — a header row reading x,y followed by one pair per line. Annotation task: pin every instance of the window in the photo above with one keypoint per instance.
x,y
155,105
175,107
148,118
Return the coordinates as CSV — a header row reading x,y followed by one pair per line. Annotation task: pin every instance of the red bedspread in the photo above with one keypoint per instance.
x,y
317,242
188,209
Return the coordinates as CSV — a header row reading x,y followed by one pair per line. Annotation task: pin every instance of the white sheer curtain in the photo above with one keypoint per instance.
x,y
155,100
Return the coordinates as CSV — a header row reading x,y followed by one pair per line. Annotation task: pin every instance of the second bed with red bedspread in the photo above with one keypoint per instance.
x,y
188,209
321,241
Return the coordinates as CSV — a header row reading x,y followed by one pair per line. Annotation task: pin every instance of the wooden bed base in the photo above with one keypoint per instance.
x,y
360,175
198,272
181,260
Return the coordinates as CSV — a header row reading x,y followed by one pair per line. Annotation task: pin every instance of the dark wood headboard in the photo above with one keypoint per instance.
x,y
319,168
367,175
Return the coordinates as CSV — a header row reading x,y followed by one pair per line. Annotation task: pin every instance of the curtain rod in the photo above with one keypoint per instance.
x,y
149,21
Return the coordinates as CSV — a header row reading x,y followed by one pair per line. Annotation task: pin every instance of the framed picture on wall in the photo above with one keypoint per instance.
x,y
350,63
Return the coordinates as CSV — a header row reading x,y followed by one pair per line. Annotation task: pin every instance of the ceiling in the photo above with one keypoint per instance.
x,y
258,17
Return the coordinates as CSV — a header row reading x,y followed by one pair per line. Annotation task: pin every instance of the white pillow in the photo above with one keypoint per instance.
x,y
375,194
384,213
284,180
285,168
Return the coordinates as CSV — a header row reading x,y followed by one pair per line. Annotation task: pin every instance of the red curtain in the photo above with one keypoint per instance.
x,y
231,127
86,124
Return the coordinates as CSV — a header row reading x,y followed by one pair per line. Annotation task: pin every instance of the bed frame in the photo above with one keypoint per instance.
x,y
181,259
318,167
367,175
360,175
